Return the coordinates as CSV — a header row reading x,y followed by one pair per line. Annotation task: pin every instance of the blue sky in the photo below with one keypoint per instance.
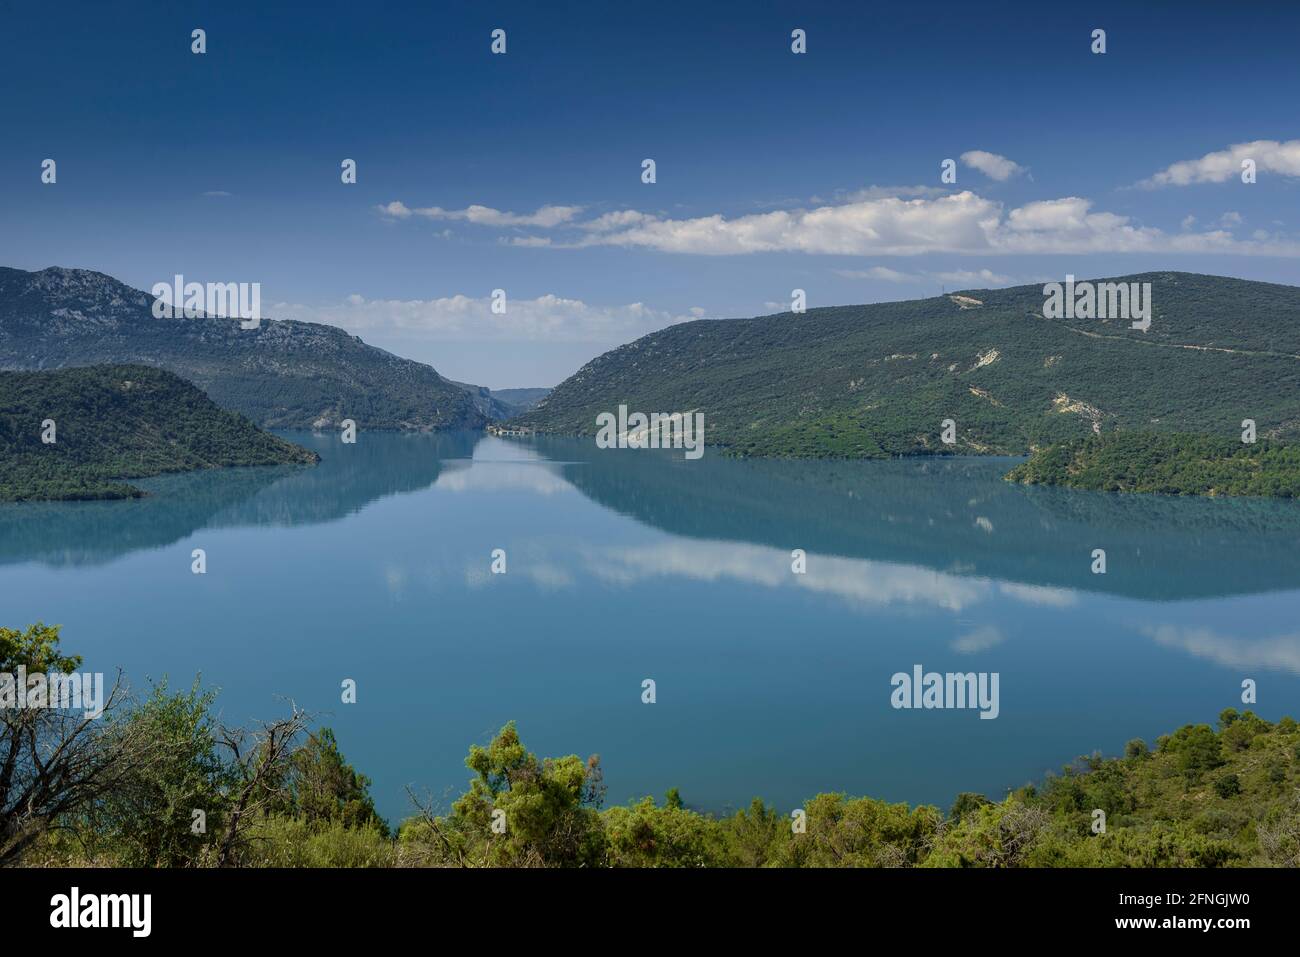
x,y
522,172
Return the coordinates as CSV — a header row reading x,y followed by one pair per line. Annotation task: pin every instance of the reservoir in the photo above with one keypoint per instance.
x,y
376,566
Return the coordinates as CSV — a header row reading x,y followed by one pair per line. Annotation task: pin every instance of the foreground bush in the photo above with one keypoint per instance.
x,y
294,842
163,783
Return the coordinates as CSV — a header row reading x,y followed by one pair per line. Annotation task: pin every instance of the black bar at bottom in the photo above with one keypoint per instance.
x,y
341,906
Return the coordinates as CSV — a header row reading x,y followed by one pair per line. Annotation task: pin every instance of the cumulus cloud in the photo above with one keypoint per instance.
x,y
1270,156
462,318
622,219
1069,225
992,165
961,223
886,225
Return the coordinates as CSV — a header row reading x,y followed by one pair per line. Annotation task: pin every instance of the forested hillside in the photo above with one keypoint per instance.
x,y
876,380
1175,464
280,375
110,423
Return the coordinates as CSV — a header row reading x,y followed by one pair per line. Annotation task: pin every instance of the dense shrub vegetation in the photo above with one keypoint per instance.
x,y
1176,464
874,380
117,422
1201,797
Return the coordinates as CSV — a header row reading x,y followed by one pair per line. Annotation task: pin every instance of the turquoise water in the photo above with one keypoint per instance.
x,y
624,565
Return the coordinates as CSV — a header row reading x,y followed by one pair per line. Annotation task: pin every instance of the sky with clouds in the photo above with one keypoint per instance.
x,y
523,172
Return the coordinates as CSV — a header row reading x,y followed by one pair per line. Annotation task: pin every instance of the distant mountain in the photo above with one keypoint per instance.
x,y
877,380
108,423
500,404
486,401
520,400
283,374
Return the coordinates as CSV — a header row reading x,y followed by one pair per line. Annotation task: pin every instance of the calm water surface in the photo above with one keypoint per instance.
x,y
625,565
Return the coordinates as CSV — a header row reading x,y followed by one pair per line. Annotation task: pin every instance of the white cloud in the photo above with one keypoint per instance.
x,y
461,318
545,217
992,165
1270,156
887,225
961,223
1230,219
620,220
1070,226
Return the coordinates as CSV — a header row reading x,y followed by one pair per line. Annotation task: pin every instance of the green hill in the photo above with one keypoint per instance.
x,y
280,375
1175,464
118,422
878,380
